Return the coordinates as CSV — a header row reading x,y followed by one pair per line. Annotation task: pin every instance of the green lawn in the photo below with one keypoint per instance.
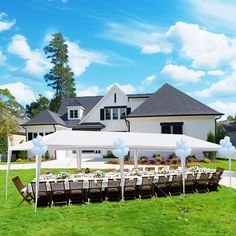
x,y
201,214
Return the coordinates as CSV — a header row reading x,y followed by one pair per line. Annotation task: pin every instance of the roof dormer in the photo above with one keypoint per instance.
x,y
75,112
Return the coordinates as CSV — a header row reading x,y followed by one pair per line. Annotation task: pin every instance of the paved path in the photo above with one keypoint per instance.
x,y
96,163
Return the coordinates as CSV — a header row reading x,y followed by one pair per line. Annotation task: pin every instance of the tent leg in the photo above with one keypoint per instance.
x,y
230,172
38,166
78,158
122,177
183,174
135,158
9,153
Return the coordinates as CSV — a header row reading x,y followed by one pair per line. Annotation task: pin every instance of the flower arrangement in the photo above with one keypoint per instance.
x,y
99,174
135,172
63,175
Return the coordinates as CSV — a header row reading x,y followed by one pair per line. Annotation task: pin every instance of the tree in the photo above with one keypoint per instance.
x,y
60,77
220,132
231,117
211,138
9,109
34,108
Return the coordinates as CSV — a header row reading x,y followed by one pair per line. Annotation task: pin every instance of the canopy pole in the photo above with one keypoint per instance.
x,y
135,158
122,177
183,174
79,158
38,167
230,172
9,153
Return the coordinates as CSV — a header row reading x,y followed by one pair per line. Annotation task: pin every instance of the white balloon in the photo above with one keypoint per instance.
x,y
228,145
227,139
222,142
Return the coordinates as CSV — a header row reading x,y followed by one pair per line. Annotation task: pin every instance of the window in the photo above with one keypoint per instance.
x,y
30,136
172,128
114,97
35,135
166,129
108,113
122,112
115,113
73,114
41,134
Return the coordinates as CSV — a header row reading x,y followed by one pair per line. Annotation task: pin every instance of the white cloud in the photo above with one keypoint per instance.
x,y
215,13
182,73
205,49
36,63
224,87
22,93
126,88
149,79
216,72
5,24
228,108
2,58
138,34
89,91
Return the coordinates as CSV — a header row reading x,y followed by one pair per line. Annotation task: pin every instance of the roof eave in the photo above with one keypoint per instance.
x,y
163,115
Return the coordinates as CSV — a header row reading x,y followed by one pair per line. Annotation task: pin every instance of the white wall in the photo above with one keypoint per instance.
x,y
108,100
194,126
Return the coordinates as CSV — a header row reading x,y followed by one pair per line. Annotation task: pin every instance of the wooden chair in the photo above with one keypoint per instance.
x,y
213,182
21,189
76,191
201,183
43,195
175,185
95,191
146,188
59,195
161,187
190,183
130,189
220,170
113,191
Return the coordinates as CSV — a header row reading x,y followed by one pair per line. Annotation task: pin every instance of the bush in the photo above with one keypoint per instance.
x,y
172,155
46,156
109,155
19,160
174,160
163,162
152,162
32,159
158,158
206,160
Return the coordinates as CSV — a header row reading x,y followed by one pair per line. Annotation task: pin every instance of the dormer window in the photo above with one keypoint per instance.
x,y
73,114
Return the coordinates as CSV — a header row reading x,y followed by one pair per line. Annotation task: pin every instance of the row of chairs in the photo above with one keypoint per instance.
x,y
167,185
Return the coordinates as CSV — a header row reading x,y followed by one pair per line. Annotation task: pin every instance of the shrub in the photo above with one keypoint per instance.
x,y
46,156
32,159
109,155
206,160
168,161
172,155
174,160
19,160
158,158
152,162
163,162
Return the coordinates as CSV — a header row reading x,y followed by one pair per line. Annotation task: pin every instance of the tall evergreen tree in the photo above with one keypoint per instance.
x,y
60,76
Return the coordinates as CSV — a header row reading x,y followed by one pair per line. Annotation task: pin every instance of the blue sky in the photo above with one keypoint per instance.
x,y
139,45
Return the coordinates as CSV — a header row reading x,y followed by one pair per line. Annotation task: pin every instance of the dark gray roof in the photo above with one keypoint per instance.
x,y
229,125
169,101
90,125
20,121
87,102
45,117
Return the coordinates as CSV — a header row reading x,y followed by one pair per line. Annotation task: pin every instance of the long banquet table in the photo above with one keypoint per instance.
x,y
114,175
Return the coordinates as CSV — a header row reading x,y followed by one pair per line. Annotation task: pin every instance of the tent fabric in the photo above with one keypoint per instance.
x,y
71,140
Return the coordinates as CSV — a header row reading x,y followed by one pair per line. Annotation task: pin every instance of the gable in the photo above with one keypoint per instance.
x,y
108,100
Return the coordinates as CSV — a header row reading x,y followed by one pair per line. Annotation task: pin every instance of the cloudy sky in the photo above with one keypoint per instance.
x,y
139,45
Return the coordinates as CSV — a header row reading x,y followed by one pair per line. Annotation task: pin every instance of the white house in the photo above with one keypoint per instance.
x,y
168,110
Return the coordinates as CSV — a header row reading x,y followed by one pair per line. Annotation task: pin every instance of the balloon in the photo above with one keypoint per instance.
x,y
227,139
222,142
228,145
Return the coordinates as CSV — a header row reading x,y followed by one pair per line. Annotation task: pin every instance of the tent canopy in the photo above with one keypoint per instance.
x,y
72,140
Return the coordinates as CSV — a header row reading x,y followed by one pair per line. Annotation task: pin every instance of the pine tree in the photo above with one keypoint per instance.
x,y
60,76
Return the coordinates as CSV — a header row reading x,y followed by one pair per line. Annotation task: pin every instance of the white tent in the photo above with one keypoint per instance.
x,y
93,140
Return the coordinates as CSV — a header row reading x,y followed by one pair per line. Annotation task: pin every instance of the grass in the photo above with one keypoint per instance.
x,y
201,214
